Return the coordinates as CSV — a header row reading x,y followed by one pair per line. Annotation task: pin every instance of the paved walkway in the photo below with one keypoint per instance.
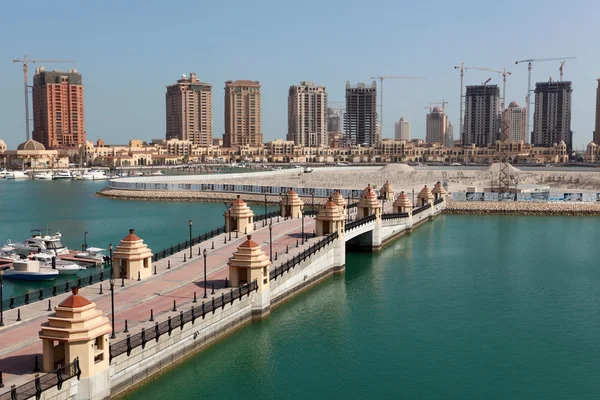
x,y
19,342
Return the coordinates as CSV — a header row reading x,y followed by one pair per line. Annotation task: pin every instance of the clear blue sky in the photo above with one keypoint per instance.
x,y
128,51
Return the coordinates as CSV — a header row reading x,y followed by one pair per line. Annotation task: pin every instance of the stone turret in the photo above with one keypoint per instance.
x,y
340,201
387,191
402,204
330,219
425,197
239,217
291,205
131,256
369,205
78,330
250,263
438,191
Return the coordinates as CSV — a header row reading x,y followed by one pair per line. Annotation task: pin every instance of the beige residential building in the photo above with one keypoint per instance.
x,y
514,120
242,114
307,114
189,111
437,123
402,129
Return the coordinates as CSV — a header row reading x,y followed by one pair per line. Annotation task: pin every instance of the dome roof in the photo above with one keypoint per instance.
x,y
437,109
513,104
402,118
31,145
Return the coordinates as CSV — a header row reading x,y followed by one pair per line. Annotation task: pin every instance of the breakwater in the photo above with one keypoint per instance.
x,y
521,208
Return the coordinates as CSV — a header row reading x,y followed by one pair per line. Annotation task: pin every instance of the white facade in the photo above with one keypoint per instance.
x,y
515,120
437,123
402,130
449,138
307,114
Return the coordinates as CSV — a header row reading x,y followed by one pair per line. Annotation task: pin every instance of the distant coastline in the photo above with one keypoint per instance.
x,y
522,208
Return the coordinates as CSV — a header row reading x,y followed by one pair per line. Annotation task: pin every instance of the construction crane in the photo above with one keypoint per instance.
x,y
25,61
528,97
486,82
560,69
462,69
435,103
381,79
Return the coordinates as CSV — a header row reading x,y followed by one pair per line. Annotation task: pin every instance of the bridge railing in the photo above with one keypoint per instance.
x,y
438,201
421,209
359,222
394,216
297,259
31,296
40,384
125,346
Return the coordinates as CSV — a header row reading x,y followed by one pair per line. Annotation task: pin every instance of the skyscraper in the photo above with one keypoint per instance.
x,y
437,123
482,108
402,129
242,114
189,111
333,120
597,125
58,113
307,114
552,115
449,137
515,118
360,119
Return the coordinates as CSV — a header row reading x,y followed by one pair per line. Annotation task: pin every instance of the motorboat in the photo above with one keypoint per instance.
x,y
29,270
157,173
63,174
94,253
16,175
136,173
2,173
63,267
43,175
94,175
8,254
39,242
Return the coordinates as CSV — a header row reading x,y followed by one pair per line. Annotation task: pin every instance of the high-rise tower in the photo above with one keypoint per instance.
x,y
189,111
437,123
482,109
58,112
242,114
307,114
552,115
597,125
402,129
360,119
515,118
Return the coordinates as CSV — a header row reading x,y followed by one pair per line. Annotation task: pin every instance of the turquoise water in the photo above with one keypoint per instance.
x,y
463,308
71,208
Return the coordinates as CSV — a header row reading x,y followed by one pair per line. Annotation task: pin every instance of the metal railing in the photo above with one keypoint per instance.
x,y
297,259
45,293
438,201
266,216
421,209
394,216
44,382
359,222
166,327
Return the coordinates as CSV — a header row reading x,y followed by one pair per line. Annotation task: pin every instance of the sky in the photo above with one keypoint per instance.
x,y
129,51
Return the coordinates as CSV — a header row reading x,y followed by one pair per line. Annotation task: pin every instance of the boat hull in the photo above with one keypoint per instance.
x,y
30,276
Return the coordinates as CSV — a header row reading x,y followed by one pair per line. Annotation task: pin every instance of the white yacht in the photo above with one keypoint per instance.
x,y
157,173
43,175
63,267
136,173
40,243
94,253
29,270
16,175
2,173
8,254
63,174
94,175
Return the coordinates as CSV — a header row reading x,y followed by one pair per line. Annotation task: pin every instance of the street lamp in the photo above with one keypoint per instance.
x,y
112,292
85,240
302,212
312,194
190,239
271,241
265,206
228,218
204,253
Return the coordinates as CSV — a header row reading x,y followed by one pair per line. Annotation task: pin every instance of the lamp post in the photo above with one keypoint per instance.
x,y
112,291
312,194
265,206
1,301
190,223
271,241
302,212
85,240
204,253
228,218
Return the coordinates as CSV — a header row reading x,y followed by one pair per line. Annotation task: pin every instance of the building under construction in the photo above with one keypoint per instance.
x,y
360,119
482,110
552,116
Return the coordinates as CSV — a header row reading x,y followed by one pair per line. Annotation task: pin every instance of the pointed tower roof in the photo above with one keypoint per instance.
x,y
330,212
402,201
338,199
425,194
369,199
292,199
132,248
239,209
439,189
249,255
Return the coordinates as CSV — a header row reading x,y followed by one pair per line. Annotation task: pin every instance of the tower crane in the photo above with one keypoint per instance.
x,y
532,60
486,82
442,102
25,61
381,79
560,69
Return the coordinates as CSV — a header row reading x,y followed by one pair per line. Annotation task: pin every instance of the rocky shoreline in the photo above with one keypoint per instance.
x,y
521,208
216,197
